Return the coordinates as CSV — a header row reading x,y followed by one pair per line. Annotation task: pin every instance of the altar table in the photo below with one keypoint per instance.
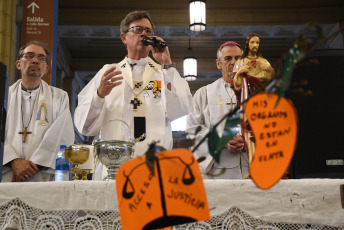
x,y
234,204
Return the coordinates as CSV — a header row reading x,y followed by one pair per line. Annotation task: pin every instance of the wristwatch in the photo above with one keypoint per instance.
x,y
168,65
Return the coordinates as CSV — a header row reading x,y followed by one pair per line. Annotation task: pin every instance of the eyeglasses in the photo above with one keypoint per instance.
x,y
30,56
140,29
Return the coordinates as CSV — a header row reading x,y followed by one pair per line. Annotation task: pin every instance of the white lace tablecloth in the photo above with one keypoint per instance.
x,y
234,204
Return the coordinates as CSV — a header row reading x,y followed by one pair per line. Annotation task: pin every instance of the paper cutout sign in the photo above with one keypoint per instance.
x,y
175,195
275,132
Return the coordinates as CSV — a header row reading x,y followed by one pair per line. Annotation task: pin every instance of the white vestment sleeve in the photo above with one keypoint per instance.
x,y
9,152
61,132
88,113
96,107
200,117
178,99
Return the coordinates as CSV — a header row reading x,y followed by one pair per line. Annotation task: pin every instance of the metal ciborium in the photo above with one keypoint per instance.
x,y
76,154
114,148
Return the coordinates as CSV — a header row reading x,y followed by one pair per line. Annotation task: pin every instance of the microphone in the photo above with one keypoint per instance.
x,y
153,42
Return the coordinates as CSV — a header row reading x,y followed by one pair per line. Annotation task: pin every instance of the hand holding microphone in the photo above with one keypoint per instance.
x,y
159,50
153,42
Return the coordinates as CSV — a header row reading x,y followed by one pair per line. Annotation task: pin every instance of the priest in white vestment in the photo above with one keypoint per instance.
x,y
137,90
211,103
38,120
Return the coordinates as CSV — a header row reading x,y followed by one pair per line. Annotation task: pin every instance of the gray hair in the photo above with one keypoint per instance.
x,y
219,53
37,43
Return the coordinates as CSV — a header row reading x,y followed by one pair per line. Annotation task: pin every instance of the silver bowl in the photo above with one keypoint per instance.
x,y
112,154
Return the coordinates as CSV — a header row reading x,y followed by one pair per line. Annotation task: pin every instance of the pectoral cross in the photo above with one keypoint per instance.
x,y
136,102
24,133
231,103
221,103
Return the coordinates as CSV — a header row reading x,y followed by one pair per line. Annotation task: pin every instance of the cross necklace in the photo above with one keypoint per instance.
x,y
25,131
221,102
136,102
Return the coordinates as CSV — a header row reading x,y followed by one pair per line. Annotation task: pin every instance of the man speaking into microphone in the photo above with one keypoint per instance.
x,y
144,94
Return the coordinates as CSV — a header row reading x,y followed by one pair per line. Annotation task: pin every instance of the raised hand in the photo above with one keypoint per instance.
x,y
109,80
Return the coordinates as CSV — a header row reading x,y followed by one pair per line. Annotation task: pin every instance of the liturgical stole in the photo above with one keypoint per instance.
x,y
150,115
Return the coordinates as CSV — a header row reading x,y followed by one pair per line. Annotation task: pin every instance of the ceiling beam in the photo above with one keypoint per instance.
x,y
176,13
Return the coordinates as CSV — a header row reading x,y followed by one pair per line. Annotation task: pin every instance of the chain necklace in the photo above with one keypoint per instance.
x,y
230,94
136,102
232,102
25,131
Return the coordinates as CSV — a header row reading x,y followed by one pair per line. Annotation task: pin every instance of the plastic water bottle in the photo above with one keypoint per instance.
x,y
62,166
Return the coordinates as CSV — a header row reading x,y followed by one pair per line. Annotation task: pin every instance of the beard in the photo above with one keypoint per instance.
x,y
34,71
254,51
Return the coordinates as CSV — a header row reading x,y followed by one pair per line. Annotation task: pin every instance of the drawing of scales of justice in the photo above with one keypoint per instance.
x,y
174,195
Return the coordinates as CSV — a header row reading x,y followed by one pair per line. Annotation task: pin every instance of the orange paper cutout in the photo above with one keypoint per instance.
x,y
175,195
275,132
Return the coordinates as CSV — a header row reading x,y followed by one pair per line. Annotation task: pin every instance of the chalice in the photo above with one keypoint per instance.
x,y
84,173
76,154
114,148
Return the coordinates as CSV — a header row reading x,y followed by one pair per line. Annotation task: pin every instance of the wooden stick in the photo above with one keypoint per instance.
x,y
342,194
